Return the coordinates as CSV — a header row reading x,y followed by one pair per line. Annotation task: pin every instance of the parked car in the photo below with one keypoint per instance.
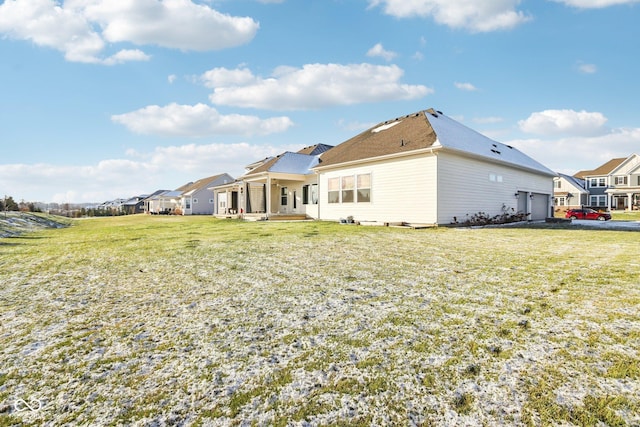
x,y
587,214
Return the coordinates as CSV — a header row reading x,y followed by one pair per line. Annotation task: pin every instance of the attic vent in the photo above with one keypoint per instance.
x,y
433,114
495,151
510,147
440,112
495,145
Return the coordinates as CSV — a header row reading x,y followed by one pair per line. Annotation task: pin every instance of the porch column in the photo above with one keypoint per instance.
x,y
267,207
629,202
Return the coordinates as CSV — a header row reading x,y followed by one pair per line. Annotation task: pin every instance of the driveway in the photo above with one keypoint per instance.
x,y
609,225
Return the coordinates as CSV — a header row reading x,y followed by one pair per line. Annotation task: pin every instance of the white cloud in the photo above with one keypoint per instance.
x,y
312,86
139,173
477,16
197,120
171,78
488,120
466,87
587,68
572,154
570,122
379,50
594,4
81,28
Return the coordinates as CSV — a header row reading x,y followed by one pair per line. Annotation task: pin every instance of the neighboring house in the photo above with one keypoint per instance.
x,y
115,206
426,168
281,185
615,184
134,205
197,198
569,192
163,203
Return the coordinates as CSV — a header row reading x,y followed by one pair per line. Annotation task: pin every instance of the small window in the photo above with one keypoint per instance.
x,y
283,196
195,201
347,189
621,180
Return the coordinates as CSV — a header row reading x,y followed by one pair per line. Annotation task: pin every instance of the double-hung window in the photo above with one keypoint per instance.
x,y
348,189
364,188
333,187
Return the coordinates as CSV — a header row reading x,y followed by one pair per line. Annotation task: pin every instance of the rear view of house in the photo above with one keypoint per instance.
x,y
427,168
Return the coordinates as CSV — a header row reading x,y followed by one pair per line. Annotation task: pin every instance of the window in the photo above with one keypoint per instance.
x,y
621,180
187,203
557,184
364,188
283,196
598,200
333,185
347,189
597,182
195,201
310,194
560,201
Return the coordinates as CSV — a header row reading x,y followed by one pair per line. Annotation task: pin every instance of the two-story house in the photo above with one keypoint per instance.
x,y
615,184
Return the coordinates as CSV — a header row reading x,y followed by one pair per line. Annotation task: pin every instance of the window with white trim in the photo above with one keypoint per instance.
x,y
620,180
597,182
348,189
310,194
333,188
598,200
364,188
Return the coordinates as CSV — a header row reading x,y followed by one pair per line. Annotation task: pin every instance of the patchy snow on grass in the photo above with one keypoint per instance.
x,y
195,321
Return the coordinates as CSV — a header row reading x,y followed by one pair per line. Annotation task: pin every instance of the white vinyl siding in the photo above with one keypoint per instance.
x,y
400,190
465,188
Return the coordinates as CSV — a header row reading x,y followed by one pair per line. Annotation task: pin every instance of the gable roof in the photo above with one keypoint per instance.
x,y
428,129
576,182
298,163
198,185
287,162
604,169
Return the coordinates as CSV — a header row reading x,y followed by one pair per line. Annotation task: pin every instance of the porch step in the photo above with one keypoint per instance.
x,y
287,217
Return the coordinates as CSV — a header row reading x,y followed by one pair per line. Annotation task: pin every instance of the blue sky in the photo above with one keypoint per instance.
x,y
102,99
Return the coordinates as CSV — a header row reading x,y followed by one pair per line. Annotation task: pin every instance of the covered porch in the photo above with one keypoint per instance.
x,y
624,199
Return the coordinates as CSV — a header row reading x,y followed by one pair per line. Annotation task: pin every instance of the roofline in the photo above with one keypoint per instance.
x,y
375,159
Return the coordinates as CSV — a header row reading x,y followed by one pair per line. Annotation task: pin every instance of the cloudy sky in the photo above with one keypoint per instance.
x,y
101,99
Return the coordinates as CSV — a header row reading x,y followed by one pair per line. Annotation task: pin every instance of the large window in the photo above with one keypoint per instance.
x,y
349,189
597,182
598,200
333,185
348,185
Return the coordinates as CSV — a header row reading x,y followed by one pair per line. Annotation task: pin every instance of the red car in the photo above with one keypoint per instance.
x,y
587,214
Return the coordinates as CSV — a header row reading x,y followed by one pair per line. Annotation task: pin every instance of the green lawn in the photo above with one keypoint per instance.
x,y
154,320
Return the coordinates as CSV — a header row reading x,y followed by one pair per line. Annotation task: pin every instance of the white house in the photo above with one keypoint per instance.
x,y
284,185
426,168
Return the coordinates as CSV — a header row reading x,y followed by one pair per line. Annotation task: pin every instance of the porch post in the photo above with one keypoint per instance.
x,y
629,202
267,207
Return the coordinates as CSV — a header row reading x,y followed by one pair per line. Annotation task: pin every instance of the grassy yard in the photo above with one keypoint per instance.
x,y
151,320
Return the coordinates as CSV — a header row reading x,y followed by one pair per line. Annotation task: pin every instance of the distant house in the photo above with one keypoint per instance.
x,y
134,205
615,184
427,168
569,192
281,185
197,198
163,202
